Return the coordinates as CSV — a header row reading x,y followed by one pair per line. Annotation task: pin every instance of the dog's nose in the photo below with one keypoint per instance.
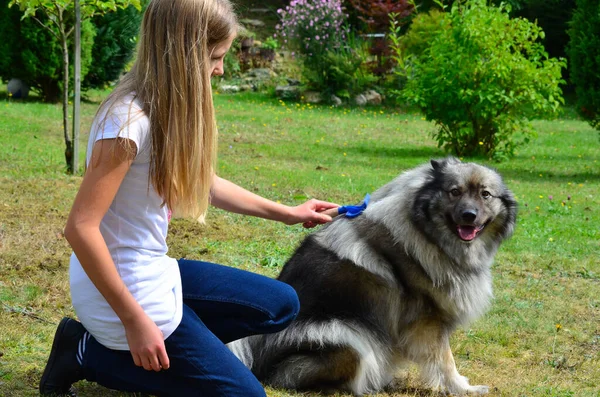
x,y
469,215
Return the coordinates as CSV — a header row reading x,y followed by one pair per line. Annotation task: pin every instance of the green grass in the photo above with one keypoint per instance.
x,y
541,336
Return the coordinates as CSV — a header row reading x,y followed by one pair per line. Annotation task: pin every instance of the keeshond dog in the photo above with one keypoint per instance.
x,y
391,285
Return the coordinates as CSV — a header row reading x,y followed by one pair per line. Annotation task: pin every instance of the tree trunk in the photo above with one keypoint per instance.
x,y
68,141
76,90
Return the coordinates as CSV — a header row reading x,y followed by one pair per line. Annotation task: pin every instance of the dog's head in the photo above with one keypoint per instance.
x,y
468,199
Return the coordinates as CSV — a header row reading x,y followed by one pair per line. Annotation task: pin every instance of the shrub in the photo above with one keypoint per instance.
x,y
312,27
316,32
29,53
9,18
113,47
375,14
231,62
33,55
553,17
584,57
270,43
344,72
423,29
482,80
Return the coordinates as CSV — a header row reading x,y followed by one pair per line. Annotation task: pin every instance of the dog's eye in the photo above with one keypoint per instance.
x,y
485,194
455,192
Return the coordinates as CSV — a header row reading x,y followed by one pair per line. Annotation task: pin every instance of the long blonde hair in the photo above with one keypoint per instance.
x,y
171,79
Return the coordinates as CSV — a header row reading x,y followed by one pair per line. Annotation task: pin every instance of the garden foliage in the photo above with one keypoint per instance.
x,y
58,18
423,29
553,17
584,58
114,44
375,15
333,59
483,79
32,54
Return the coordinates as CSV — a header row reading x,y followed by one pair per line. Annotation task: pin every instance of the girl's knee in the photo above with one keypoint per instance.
x,y
289,306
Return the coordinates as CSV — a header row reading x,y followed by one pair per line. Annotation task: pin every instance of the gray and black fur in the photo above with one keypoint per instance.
x,y
391,285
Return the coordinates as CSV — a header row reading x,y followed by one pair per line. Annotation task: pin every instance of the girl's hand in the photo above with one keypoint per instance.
x,y
310,213
146,344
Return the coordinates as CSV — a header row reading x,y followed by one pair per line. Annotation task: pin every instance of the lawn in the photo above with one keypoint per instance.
x,y
541,336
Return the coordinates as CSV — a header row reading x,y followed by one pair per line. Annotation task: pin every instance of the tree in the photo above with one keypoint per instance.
x,y
481,78
114,45
584,58
375,14
58,18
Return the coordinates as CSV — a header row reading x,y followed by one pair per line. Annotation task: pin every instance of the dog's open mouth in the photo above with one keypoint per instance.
x,y
468,232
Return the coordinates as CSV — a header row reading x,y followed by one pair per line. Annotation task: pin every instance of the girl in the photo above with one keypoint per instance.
x,y
150,323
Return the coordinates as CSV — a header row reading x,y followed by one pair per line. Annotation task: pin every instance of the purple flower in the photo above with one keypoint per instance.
x,y
324,19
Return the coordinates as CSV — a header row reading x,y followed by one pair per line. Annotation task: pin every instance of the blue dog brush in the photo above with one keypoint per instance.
x,y
349,211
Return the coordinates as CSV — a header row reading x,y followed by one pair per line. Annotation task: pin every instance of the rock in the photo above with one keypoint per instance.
x,y
335,101
252,22
247,87
312,97
229,89
287,91
17,89
260,73
293,81
247,43
373,97
360,100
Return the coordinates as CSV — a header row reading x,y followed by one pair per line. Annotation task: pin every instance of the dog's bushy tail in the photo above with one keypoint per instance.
x,y
243,351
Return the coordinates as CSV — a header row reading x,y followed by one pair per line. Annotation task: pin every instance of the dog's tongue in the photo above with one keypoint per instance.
x,y
466,232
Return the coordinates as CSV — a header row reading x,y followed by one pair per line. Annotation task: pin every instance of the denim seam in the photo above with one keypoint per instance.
x,y
239,302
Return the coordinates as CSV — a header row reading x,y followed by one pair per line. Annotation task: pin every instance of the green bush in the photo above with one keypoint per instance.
x,y
30,53
333,59
423,29
343,71
231,62
8,17
483,79
33,54
553,17
113,47
584,58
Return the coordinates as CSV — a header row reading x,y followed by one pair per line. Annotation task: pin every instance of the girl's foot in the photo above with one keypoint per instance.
x,y
63,369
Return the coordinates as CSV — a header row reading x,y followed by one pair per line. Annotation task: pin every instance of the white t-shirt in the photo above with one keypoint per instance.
x,y
135,231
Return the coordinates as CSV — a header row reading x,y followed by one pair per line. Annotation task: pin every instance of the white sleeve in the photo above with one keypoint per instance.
x,y
124,120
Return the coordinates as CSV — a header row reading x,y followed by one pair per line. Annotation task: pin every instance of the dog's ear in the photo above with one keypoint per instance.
x,y
511,206
438,165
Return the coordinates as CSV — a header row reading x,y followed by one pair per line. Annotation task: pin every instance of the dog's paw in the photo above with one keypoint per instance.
x,y
460,387
478,390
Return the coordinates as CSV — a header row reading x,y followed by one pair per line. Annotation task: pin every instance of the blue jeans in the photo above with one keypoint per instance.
x,y
221,304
